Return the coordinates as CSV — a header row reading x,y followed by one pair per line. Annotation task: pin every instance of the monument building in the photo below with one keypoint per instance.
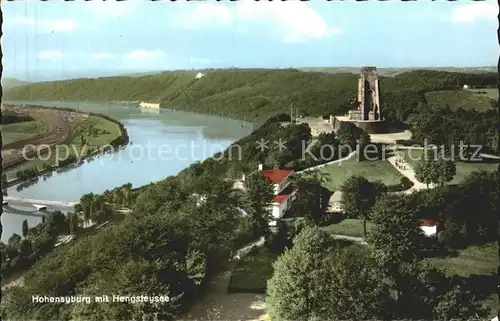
x,y
367,115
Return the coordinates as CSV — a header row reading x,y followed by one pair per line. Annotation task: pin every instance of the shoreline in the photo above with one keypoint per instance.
x,y
119,142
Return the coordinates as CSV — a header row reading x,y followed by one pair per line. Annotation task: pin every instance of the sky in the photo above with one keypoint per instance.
x,y
56,39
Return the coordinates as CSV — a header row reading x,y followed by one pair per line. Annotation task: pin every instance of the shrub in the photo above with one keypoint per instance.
x,y
406,183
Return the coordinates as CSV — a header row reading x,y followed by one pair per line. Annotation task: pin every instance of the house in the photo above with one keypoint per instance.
x,y
284,192
465,87
335,202
431,228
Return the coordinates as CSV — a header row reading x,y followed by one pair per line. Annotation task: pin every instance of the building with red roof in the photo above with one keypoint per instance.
x,y
430,227
284,193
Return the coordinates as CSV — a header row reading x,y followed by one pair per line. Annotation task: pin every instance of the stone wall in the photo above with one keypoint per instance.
x,y
335,123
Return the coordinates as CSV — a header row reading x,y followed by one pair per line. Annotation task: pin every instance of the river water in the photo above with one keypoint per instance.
x,y
163,142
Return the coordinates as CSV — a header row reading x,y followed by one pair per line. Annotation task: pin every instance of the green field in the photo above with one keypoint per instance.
x,y
251,273
479,265
349,227
463,169
20,131
107,131
372,170
487,92
460,99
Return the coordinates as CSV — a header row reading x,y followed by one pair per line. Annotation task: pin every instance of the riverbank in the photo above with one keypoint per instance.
x,y
92,134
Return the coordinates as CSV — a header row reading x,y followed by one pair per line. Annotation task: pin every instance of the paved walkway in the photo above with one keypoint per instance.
x,y
359,240
218,304
329,163
406,170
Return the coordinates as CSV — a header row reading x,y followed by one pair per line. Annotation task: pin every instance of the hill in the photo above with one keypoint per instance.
x,y
253,94
464,99
8,83
391,72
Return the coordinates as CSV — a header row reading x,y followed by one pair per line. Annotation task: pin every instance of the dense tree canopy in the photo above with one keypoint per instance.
x,y
321,279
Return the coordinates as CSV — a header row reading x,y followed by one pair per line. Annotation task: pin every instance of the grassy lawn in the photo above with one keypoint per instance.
x,y
104,131
372,170
20,131
490,92
349,227
463,169
460,99
478,264
251,273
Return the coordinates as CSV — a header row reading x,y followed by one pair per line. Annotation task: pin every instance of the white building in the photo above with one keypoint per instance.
x,y
199,75
335,202
284,193
430,227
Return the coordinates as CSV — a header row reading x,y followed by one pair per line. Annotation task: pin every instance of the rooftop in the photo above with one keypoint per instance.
x,y
426,222
276,176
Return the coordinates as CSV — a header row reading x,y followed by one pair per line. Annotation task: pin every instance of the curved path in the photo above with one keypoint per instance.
x,y
409,173
351,155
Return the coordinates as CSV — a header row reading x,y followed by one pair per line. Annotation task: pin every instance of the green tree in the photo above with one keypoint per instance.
x,y
280,240
258,195
359,195
311,198
25,228
356,193
458,303
14,241
436,169
25,248
318,279
73,223
396,236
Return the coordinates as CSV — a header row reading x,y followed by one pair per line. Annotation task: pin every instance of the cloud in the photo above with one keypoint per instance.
x,y
292,21
101,56
473,12
145,54
45,25
51,54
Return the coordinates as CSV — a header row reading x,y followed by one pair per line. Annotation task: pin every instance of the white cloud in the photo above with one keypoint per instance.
x,y
473,12
101,56
51,54
145,54
293,21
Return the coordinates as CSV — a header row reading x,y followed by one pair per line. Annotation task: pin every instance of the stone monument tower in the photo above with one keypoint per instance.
x,y
368,96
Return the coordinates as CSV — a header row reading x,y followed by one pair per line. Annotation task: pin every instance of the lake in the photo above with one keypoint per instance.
x,y
163,142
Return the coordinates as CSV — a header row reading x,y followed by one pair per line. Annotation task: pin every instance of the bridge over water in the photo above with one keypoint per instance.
x,y
38,202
